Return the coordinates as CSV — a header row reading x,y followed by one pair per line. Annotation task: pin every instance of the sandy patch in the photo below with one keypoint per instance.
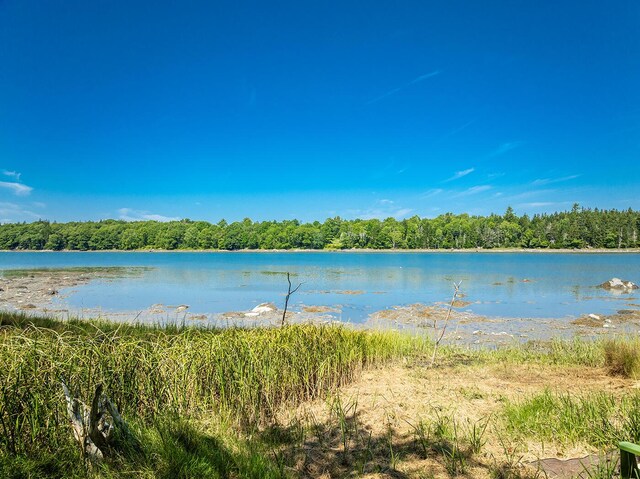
x,y
383,409
320,309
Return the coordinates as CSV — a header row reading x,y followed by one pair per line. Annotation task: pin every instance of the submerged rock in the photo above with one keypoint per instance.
x,y
618,285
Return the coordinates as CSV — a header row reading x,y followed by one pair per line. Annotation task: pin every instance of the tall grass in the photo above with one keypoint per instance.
x,y
562,352
623,357
248,374
599,418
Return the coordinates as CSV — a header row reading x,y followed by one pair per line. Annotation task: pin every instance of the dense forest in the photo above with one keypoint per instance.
x,y
578,228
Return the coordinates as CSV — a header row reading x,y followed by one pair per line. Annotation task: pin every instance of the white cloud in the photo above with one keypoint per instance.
x,y
492,176
460,174
386,202
548,181
505,147
473,190
379,213
129,214
18,188
431,193
12,174
400,88
538,204
532,194
12,213
545,204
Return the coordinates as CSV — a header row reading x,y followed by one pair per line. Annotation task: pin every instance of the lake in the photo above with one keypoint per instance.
x,y
354,284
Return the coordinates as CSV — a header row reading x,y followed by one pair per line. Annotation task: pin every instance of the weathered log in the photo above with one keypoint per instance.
x,y
94,427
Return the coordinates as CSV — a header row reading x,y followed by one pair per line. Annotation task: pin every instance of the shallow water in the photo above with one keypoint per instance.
x,y
524,285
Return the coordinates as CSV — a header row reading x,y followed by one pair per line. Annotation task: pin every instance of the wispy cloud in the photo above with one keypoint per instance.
x,y
492,176
129,214
460,174
537,204
400,88
18,188
12,213
504,148
460,128
474,190
431,193
546,204
383,208
532,194
389,169
549,181
12,174
455,131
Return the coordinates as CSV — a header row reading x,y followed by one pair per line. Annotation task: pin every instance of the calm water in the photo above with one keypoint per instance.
x,y
528,285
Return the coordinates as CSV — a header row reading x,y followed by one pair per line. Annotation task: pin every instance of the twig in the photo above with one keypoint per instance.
x,y
286,300
456,291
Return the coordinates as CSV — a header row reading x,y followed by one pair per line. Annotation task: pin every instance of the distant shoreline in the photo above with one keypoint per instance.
x,y
358,250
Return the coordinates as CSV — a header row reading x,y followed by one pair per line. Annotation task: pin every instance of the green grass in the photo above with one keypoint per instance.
x,y
242,375
600,419
204,402
623,357
562,352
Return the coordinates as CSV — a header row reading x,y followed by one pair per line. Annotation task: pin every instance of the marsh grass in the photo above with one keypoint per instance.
x,y
204,402
599,418
623,357
246,375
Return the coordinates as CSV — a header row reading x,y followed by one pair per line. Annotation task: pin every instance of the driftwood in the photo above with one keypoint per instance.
x,y
96,427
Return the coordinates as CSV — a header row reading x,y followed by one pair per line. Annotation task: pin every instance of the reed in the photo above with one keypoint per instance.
x,y
247,374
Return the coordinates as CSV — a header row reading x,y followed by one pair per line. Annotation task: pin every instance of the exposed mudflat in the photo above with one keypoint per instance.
x,y
44,291
36,289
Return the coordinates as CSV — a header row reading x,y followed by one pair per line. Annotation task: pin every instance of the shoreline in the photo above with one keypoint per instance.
x,y
355,250
46,292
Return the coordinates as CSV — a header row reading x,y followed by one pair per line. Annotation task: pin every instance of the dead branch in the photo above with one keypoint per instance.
x,y
440,334
286,299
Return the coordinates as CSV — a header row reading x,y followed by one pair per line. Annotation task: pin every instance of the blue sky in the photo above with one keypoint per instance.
x,y
279,110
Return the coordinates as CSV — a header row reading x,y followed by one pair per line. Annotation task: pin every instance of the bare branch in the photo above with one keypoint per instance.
x,y
440,335
286,299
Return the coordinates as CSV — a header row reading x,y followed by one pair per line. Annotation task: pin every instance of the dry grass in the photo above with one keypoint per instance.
x,y
623,358
408,421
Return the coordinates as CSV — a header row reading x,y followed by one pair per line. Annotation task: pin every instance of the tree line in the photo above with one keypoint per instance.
x,y
577,228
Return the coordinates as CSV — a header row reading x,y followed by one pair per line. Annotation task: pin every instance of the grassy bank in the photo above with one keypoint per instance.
x,y
242,375
211,403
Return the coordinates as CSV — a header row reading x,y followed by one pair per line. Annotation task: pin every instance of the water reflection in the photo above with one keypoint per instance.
x,y
499,285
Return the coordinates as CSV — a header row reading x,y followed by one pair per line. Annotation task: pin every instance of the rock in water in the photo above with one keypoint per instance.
x,y
618,285
265,308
